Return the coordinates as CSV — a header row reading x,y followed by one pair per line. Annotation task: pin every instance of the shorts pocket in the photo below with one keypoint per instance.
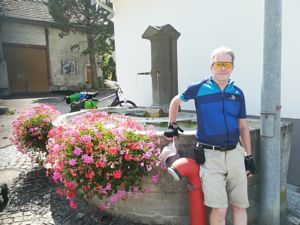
x,y
240,149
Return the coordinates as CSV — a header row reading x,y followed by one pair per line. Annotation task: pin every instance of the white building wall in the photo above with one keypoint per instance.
x,y
290,59
205,25
60,49
22,34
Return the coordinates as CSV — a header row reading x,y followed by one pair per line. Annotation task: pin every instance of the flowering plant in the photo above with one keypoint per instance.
x,y
30,130
101,154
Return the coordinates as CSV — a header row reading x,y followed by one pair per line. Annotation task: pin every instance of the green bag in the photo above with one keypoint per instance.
x,y
90,104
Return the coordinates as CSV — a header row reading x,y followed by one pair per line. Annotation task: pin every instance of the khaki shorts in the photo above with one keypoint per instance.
x,y
224,178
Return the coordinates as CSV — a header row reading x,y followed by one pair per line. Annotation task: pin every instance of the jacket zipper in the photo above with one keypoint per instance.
x,y
222,92
225,119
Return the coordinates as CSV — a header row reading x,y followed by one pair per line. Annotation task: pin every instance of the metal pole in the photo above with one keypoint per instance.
x,y
270,116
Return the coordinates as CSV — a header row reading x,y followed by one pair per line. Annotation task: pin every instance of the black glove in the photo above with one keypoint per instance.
x,y
172,130
199,154
249,165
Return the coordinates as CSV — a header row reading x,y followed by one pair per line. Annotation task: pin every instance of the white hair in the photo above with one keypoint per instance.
x,y
221,51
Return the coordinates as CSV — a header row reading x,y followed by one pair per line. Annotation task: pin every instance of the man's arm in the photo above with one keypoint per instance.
x,y
246,142
173,129
245,136
174,107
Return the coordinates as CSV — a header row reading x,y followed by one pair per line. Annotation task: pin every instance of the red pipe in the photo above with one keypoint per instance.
x,y
187,167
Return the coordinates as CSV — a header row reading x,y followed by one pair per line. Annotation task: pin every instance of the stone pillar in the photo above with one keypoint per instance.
x,y
163,64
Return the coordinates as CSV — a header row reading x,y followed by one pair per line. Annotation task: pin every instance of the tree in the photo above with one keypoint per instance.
x,y
81,16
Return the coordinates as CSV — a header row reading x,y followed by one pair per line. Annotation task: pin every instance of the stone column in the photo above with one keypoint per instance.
x,y
163,64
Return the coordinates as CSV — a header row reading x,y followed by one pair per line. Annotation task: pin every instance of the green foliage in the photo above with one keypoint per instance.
x,y
108,67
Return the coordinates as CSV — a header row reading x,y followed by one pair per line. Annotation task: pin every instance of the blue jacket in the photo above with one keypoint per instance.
x,y
217,111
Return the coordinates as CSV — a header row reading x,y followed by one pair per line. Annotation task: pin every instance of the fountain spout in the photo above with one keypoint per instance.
x,y
144,73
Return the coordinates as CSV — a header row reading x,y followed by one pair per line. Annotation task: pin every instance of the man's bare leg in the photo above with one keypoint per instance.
x,y
217,216
239,215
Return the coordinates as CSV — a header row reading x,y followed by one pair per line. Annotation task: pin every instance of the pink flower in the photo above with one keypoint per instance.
x,y
72,162
69,185
100,164
90,175
56,176
73,204
67,133
56,148
112,151
146,155
71,194
155,179
73,141
77,151
107,187
87,159
117,174
128,157
117,196
85,138
60,191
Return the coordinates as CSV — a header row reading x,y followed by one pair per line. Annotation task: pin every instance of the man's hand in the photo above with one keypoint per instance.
x,y
172,131
249,165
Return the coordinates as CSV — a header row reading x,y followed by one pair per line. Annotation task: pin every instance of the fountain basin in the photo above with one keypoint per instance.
x,y
167,202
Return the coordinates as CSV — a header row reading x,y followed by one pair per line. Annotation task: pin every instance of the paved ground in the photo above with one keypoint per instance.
x,y
32,196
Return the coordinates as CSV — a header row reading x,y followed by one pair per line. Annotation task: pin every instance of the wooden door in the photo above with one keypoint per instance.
x,y
89,75
27,68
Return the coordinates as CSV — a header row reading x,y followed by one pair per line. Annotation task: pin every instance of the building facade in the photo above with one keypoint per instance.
x,y
33,56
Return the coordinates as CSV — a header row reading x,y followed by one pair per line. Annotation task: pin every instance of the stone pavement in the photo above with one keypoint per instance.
x,y
293,204
33,198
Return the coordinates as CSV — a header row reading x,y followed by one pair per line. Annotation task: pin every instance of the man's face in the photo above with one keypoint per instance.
x,y
221,68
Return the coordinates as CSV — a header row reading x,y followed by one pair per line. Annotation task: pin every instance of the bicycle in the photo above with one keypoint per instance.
x,y
88,100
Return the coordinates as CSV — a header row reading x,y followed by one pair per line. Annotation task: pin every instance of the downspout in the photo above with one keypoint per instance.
x,y
48,55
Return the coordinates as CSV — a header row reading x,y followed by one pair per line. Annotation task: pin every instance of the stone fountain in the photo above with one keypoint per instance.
x,y
167,202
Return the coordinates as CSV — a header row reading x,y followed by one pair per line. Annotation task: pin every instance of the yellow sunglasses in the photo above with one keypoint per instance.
x,y
219,65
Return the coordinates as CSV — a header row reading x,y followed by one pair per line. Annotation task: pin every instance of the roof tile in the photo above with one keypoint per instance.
x,y
26,9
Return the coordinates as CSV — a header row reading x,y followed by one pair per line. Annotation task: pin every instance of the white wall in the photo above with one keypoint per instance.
x,y
290,59
60,49
22,34
204,25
